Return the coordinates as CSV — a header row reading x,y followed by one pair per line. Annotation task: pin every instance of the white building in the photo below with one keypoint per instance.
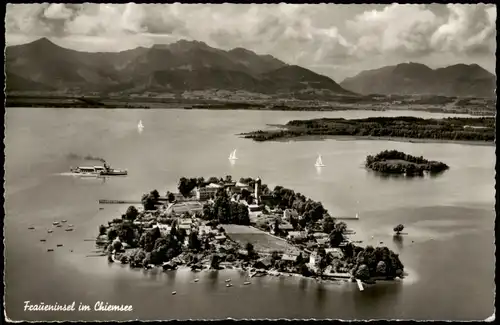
x,y
336,252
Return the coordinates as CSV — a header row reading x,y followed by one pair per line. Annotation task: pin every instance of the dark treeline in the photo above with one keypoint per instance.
x,y
397,162
468,129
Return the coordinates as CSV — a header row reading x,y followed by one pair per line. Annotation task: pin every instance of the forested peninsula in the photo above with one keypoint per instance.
x,y
450,129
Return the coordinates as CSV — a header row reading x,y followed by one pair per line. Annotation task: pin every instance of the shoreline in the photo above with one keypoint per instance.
x,y
396,139
180,106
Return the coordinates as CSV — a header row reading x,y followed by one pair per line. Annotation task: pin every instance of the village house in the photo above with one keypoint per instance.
x,y
322,241
289,258
264,262
296,235
335,252
164,229
313,261
288,214
186,227
205,193
319,235
282,227
220,238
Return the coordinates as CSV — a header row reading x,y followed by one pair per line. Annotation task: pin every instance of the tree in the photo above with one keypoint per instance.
x,y
337,235
193,241
363,273
328,224
185,186
399,228
112,234
170,197
276,227
245,194
214,264
250,249
131,213
102,230
148,201
126,233
275,255
117,245
381,268
155,194
243,214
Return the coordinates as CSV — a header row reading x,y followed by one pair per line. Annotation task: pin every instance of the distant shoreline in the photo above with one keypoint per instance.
x,y
396,139
270,104
304,109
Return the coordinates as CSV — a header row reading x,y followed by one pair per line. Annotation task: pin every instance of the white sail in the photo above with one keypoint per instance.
x,y
319,162
140,125
232,156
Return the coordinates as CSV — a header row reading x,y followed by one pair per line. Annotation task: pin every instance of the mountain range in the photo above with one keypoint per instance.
x,y
458,80
192,65
177,67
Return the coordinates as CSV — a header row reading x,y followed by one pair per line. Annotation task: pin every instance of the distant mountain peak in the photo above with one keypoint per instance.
x,y
458,80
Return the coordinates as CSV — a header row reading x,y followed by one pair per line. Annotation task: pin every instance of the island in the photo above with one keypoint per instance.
x,y
221,223
397,162
401,127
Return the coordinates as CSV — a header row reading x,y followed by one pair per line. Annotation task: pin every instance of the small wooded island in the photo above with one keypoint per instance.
x,y
397,162
450,129
245,225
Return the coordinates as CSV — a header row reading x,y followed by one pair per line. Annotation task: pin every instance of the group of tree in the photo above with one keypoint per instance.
x,y
401,126
397,162
150,200
377,262
226,211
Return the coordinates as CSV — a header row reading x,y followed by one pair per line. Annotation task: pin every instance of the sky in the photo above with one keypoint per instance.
x,y
336,40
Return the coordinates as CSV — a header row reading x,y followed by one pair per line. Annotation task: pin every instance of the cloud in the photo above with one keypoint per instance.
x,y
308,35
415,30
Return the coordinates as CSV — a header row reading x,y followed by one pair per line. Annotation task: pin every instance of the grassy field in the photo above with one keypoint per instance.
x,y
261,241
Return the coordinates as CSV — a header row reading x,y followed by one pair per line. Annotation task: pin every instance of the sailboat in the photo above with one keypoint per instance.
x,y
319,162
140,126
232,156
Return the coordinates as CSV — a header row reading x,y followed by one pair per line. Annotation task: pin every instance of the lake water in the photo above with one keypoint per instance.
x,y
449,249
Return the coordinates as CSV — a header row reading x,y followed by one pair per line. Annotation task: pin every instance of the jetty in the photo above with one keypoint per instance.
x,y
360,285
119,202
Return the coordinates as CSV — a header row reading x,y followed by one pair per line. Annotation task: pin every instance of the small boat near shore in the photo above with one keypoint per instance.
x,y
64,221
59,245
50,231
229,285
55,223
246,283
43,240
31,228
50,250
69,229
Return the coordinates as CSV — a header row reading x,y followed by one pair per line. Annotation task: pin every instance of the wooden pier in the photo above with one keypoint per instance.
x,y
360,285
119,202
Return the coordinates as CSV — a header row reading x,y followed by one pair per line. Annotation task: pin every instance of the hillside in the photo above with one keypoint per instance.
x,y
418,79
171,68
